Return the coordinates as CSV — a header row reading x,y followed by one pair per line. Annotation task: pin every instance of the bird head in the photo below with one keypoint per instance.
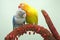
x,y
25,7
21,13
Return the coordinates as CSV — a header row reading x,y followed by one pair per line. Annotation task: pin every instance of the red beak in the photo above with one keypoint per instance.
x,y
19,7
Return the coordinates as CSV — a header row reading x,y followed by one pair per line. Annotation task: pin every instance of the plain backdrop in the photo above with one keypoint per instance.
x,y
9,7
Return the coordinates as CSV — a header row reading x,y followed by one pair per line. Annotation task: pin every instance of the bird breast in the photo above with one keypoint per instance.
x,y
19,20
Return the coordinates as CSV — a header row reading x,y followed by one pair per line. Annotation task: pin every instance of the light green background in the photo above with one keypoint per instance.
x,y
9,7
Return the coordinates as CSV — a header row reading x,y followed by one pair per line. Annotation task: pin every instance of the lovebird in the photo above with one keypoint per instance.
x,y
31,14
19,18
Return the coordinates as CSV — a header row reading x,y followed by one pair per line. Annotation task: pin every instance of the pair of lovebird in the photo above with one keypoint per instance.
x,y
25,13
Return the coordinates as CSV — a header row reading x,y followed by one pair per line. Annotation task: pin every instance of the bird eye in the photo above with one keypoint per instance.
x,y
22,4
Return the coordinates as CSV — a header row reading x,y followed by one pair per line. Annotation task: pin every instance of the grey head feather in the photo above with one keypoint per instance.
x,y
21,12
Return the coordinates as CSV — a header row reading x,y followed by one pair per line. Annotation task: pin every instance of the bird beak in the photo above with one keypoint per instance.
x,y
19,6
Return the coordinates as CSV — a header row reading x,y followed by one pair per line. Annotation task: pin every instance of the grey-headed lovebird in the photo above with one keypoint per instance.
x,y
19,18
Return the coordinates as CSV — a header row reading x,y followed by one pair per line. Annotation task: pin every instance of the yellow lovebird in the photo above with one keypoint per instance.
x,y
31,13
